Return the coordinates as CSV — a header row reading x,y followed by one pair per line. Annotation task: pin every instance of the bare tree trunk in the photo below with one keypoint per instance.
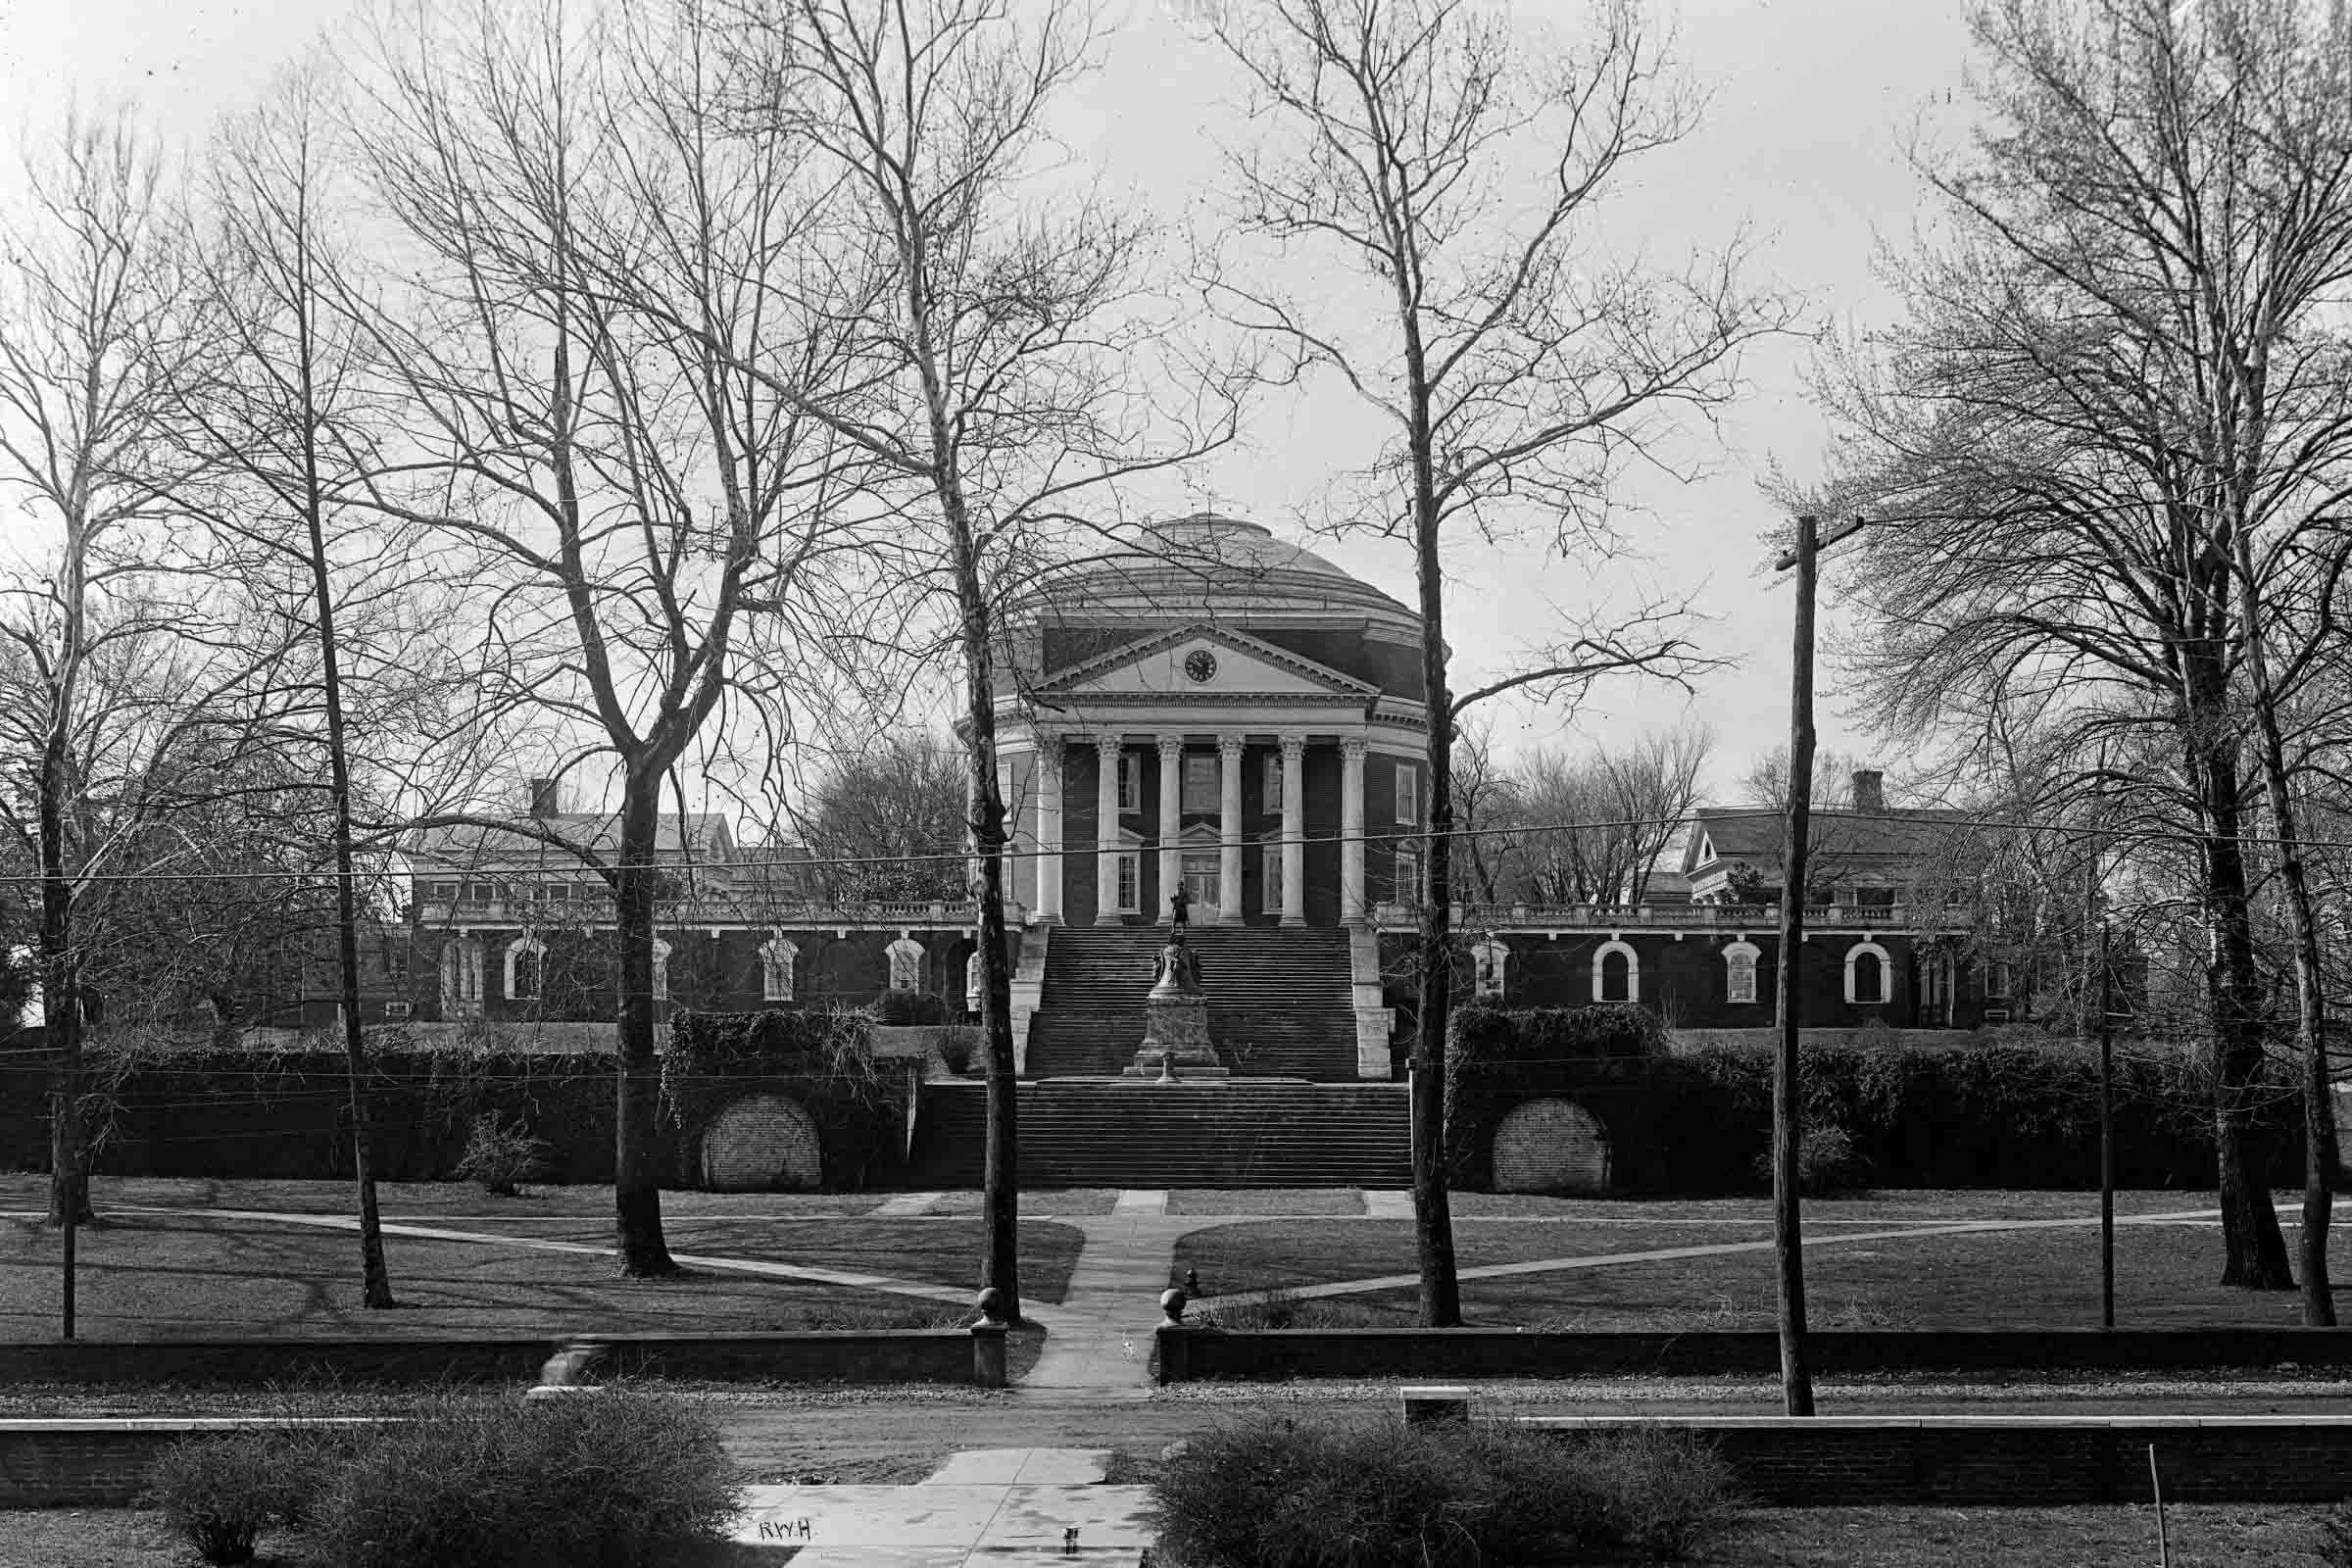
x,y
2254,1249
2311,1020
1001,1261
636,1180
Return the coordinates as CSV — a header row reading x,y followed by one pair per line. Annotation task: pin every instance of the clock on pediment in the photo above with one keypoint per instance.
x,y
1201,665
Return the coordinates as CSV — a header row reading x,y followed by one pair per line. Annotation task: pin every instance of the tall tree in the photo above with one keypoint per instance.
x,y
1597,825
281,429
889,823
94,341
599,247
1012,367
1457,165
2107,429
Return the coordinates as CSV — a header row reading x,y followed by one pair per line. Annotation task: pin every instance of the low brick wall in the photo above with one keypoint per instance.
x,y
877,1355
2025,1461
99,1463
1189,1354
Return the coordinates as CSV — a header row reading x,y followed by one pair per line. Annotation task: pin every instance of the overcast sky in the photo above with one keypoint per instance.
x,y
1810,101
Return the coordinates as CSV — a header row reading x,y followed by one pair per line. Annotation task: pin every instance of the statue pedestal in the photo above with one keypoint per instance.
x,y
1176,1038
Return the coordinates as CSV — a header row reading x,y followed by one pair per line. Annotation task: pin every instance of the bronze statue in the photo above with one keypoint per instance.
x,y
1180,903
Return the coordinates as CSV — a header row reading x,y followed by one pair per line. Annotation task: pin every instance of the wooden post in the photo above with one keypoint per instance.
x,y
1787,1241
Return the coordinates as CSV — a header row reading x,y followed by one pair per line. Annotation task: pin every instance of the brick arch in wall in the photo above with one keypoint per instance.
x,y
1550,1145
762,1143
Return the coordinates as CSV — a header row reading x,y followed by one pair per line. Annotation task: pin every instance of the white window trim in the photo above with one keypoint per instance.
x,y
1886,974
779,970
1633,970
1737,957
1407,889
905,954
1269,875
662,951
1408,794
514,965
1192,763
1490,969
462,972
975,981
1130,780
1127,877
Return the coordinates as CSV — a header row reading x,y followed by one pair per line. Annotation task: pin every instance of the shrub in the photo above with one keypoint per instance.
x,y
902,1009
221,1492
618,1479
500,1156
1827,1162
955,1048
1283,1492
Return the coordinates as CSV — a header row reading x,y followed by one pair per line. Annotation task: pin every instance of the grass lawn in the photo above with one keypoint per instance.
x,y
1071,1203
2215,1536
19,1189
2022,1279
176,1276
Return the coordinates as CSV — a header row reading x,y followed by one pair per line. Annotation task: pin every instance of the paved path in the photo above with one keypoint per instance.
x,y
1100,1337
1006,1507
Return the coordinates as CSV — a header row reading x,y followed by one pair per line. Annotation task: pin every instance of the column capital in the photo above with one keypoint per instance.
x,y
1109,745
1293,747
1353,748
1229,744
1168,745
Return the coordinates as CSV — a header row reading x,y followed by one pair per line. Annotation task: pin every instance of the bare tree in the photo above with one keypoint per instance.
x,y
1010,367
2108,434
1597,826
93,342
1455,165
889,823
279,419
599,247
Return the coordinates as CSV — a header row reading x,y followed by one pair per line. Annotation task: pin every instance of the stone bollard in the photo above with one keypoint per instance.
x,y
1430,1403
988,1340
1172,1303
567,1371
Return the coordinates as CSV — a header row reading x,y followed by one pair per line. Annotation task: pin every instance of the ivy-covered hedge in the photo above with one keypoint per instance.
x,y
824,1060
285,1113
1602,1057
2001,1115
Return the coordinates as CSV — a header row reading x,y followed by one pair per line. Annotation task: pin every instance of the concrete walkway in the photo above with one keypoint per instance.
x,y
1007,1508
1100,1337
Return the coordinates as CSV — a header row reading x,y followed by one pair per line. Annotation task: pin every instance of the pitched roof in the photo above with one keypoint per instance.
x,y
1753,833
701,837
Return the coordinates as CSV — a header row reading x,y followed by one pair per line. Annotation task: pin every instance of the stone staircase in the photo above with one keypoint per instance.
x,y
1279,1001
1238,1132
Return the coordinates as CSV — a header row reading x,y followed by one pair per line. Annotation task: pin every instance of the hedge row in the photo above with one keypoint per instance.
x,y
2021,1116
286,1114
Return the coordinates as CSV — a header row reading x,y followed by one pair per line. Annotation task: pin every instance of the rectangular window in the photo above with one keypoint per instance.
x,y
1271,883
1408,797
1741,980
1131,880
1204,790
1273,784
1131,781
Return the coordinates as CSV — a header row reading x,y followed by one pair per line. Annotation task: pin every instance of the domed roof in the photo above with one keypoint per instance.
x,y
1208,560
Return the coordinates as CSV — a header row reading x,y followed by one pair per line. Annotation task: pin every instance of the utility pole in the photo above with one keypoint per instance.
x,y
2098,910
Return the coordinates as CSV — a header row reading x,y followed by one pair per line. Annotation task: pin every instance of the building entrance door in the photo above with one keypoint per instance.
x,y
1201,884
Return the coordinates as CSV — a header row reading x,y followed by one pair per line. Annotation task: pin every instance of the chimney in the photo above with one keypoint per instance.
x,y
543,797
1870,794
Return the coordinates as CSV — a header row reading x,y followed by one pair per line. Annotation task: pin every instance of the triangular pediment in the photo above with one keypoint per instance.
x,y
1203,661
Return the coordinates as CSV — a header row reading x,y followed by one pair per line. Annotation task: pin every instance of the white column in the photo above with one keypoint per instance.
x,y
1106,830
1229,832
1048,827
1353,909
1293,830
1171,820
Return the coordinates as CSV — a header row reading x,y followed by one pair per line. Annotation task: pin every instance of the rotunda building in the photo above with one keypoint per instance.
x,y
1217,709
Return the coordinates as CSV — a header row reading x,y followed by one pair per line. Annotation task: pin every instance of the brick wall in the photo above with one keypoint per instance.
x,y
2046,1461
1550,1145
763,1142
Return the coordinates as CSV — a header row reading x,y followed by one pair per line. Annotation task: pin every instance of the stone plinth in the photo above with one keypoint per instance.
x,y
1176,1044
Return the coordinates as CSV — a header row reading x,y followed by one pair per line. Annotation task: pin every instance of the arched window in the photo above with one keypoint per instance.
x,y
1866,971
1490,963
462,978
905,957
1740,971
526,969
1616,973
975,982
779,970
660,970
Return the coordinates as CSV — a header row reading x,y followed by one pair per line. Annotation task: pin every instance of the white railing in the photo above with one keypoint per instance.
x,y
751,914
1661,916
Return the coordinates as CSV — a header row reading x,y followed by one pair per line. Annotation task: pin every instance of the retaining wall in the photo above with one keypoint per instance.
x,y
1189,1354
2022,1461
